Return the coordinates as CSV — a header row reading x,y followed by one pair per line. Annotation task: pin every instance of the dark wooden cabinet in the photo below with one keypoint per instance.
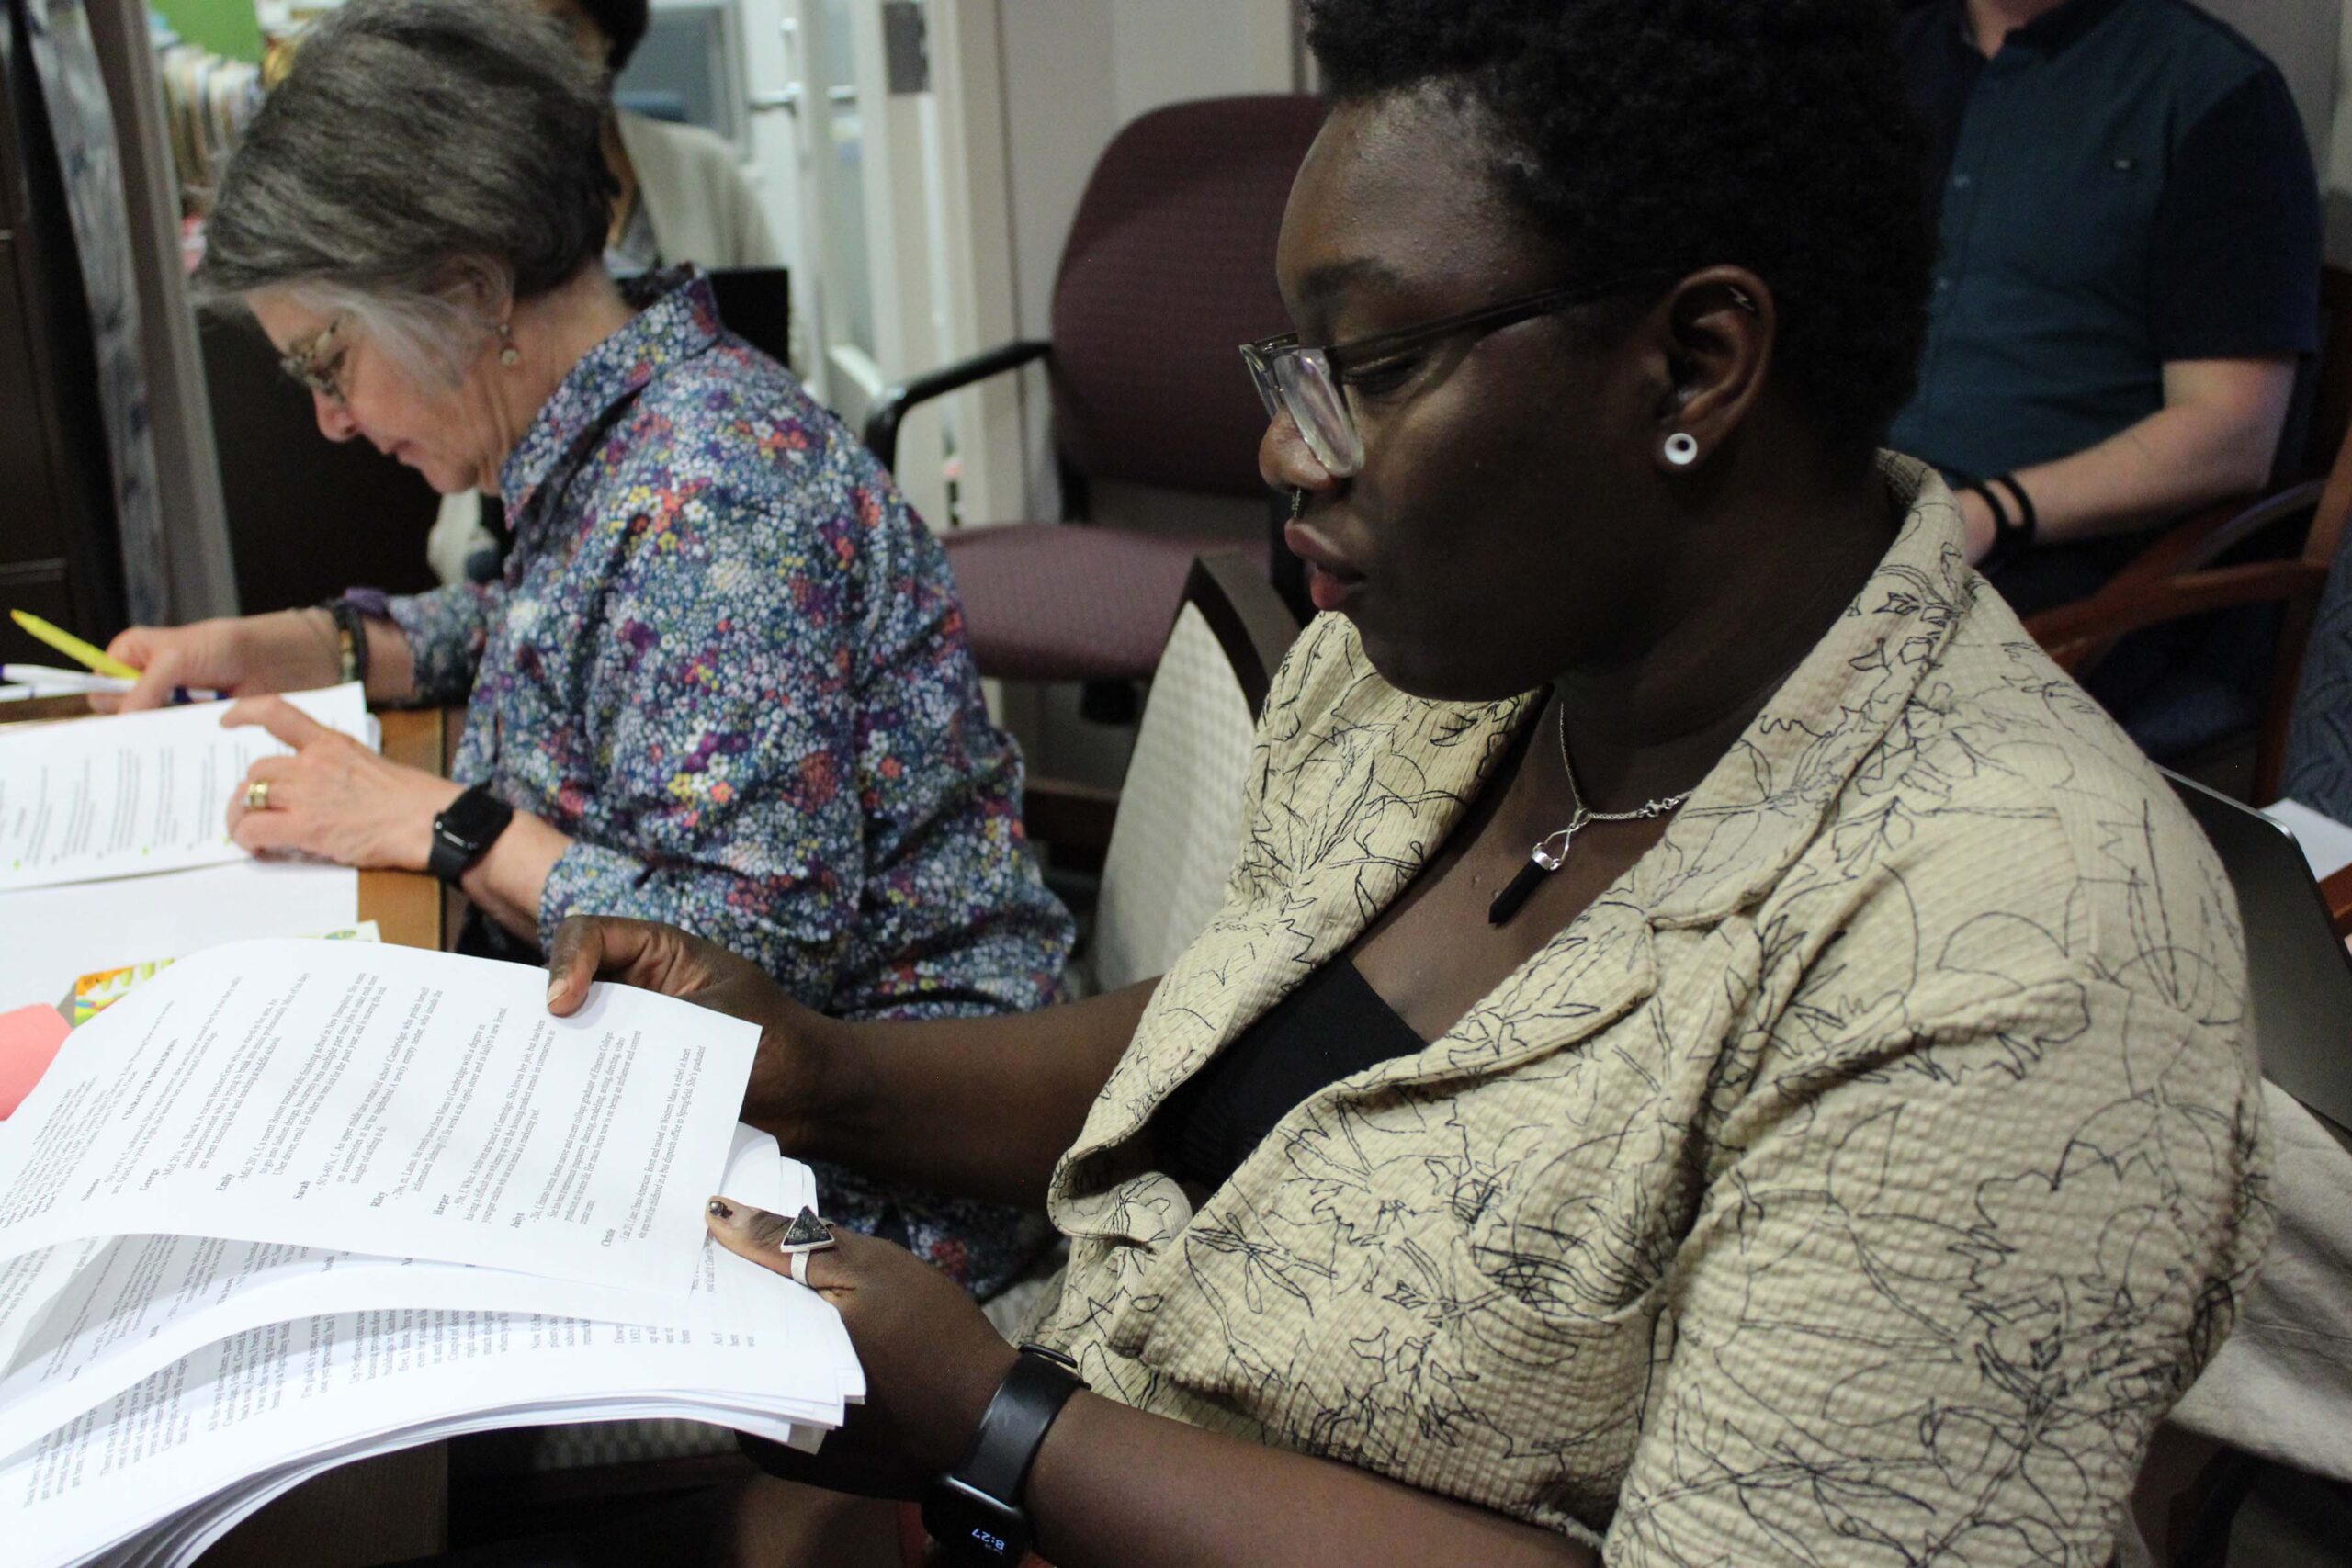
x,y
307,517
59,553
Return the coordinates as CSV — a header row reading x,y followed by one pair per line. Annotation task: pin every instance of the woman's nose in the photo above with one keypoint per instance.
x,y
334,421
1286,462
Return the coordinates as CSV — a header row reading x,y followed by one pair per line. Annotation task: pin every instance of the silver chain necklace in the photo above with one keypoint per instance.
x,y
1545,859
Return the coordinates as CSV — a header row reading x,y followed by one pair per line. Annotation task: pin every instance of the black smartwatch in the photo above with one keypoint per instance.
x,y
974,1511
463,833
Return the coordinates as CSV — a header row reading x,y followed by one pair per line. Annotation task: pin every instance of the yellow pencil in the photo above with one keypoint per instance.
x,y
73,647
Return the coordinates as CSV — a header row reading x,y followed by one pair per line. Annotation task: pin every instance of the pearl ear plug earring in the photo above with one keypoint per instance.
x,y
1681,448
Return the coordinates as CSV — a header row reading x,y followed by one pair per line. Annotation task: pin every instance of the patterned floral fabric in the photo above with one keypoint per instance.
x,y
729,662
1857,1183
2319,742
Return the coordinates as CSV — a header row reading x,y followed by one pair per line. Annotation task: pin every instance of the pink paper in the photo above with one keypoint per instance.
x,y
29,1041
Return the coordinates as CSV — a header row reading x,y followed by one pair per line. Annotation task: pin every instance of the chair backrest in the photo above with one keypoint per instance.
x,y
756,304
2299,979
1168,269
2175,578
1178,825
2330,401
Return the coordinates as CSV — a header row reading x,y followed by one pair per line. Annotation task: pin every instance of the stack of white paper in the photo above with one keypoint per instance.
x,y
85,804
293,1204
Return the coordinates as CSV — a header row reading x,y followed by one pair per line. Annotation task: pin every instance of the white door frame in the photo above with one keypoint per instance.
x,y
982,303
775,111
939,249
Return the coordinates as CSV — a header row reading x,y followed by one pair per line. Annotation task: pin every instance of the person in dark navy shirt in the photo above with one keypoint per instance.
x,y
2129,275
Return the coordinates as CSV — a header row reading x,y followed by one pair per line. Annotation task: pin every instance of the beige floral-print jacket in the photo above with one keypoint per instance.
x,y
1857,1183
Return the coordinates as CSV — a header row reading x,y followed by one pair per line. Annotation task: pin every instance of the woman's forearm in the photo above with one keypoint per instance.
x,y
980,1107
509,881
1113,1486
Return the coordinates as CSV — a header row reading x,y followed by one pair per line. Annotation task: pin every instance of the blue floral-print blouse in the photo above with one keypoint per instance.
x,y
728,662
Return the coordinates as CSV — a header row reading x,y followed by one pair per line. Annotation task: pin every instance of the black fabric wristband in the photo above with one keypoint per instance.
x,y
2010,536
2029,522
2003,523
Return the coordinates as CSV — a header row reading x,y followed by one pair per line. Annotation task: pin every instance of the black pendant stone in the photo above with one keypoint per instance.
x,y
1516,892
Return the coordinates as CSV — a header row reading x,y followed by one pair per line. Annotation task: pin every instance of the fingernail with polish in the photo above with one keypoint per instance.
x,y
719,1211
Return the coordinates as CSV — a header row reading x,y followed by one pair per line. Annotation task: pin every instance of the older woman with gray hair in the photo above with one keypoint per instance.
x,y
723,681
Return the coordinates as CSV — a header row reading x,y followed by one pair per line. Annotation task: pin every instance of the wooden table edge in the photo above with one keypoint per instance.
x,y
406,906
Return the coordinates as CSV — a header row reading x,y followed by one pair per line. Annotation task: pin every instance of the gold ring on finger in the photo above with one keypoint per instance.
x,y
257,795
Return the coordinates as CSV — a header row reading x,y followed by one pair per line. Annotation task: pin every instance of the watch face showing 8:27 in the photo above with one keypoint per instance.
x,y
973,1527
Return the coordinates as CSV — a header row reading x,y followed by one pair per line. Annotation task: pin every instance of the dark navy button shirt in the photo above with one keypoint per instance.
x,y
2124,185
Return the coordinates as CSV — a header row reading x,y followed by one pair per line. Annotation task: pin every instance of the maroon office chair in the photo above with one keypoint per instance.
x,y
1168,268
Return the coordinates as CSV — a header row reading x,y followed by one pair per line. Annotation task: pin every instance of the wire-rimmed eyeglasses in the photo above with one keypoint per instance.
x,y
1311,385
317,361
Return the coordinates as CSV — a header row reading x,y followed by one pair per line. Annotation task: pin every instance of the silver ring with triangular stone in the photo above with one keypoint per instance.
x,y
807,1234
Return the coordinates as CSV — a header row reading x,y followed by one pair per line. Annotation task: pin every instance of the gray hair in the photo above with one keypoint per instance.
x,y
424,161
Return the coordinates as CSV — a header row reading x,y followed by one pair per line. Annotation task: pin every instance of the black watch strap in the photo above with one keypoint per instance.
x,y
463,833
985,1487
1013,1427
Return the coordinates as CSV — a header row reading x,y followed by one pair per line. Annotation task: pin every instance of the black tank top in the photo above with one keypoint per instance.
x,y
1332,1027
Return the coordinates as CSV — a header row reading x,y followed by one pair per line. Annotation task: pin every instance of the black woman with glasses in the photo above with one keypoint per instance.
x,y
1714,1051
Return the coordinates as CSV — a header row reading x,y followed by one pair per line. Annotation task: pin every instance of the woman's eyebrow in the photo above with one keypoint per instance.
x,y
1321,285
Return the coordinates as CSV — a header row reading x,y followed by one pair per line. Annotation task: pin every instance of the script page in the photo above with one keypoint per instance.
x,y
285,1398
137,793
138,1304
376,1098
355,1382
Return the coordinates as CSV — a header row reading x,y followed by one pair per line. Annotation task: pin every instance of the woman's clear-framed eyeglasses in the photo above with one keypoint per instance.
x,y
1310,385
317,362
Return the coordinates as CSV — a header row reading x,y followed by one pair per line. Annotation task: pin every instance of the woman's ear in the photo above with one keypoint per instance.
x,y
479,288
1720,325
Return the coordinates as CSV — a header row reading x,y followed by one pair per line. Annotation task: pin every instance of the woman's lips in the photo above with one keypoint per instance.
x,y
1327,589
1332,579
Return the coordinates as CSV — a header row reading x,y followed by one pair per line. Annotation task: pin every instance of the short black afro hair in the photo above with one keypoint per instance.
x,y
1679,134
623,23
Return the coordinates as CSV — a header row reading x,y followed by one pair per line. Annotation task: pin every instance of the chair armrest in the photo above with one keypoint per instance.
x,y
890,410
2078,635
2075,634
2201,540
